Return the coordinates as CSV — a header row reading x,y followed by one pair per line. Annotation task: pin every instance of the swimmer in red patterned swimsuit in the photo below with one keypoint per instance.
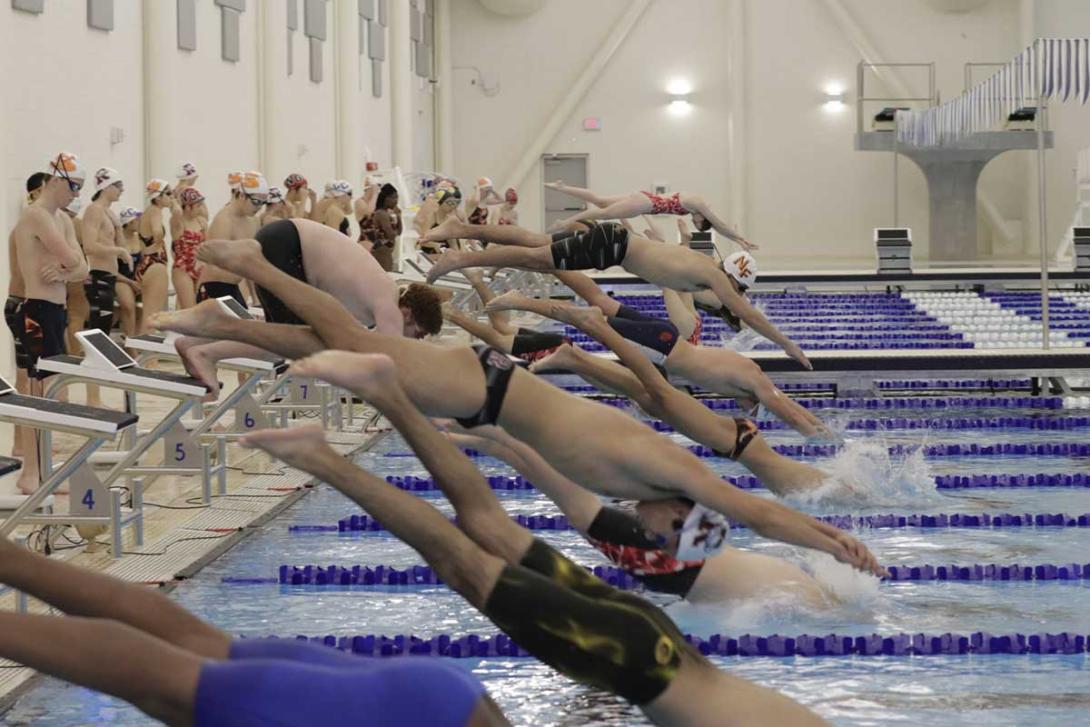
x,y
644,203
648,543
187,232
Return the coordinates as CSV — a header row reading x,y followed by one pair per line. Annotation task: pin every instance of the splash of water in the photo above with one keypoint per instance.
x,y
864,473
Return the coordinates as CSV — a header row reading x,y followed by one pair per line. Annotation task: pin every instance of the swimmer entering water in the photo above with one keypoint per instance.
x,y
553,608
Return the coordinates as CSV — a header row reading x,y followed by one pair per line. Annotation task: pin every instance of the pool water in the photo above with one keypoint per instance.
x,y
945,690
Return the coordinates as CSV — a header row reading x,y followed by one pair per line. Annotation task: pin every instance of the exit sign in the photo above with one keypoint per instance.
x,y
592,123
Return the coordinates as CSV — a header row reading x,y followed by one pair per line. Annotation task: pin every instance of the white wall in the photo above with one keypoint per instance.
x,y
66,85
803,183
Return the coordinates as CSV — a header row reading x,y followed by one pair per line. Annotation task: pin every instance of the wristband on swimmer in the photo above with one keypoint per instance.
x,y
703,535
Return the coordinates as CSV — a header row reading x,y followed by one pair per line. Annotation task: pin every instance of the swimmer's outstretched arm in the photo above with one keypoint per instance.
x,y
82,592
578,505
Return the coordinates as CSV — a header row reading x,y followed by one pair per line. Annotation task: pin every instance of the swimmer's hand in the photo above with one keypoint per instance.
x,y
854,553
793,350
124,256
52,273
746,244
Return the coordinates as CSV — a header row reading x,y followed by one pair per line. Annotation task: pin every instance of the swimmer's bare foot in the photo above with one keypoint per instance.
x,y
473,275
233,255
511,300
28,482
559,360
589,318
203,319
368,375
300,447
446,263
557,185
451,228
198,365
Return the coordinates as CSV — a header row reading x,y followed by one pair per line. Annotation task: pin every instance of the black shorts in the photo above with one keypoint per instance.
x,y
217,289
656,337
585,628
533,345
600,247
497,375
42,332
281,246
101,294
13,316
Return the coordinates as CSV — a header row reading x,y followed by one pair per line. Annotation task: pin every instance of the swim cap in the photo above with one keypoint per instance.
x,y
105,177
190,196
74,206
339,188
484,182
67,166
234,180
253,183
511,196
276,196
186,170
295,181
443,183
448,193
156,187
703,535
129,214
742,267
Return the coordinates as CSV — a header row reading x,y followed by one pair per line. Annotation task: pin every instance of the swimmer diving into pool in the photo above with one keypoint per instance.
x,y
553,608
602,246
597,446
133,642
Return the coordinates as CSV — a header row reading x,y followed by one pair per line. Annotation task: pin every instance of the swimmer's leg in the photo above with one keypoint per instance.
x,y
82,592
485,332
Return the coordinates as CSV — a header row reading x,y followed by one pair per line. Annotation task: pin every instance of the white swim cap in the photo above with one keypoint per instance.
x,y
105,177
703,535
234,180
186,170
67,166
742,267
339,188
128,215
253,183
156,187
276,195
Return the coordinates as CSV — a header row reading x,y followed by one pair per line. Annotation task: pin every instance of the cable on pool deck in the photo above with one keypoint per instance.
x,y
809,645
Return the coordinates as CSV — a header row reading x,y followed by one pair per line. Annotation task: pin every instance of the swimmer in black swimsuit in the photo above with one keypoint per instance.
x,y
646,544
555,609
617,455
602,246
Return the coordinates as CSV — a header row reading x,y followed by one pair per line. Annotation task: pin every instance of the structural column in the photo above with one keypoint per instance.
x,y
444,107
349,157
401,84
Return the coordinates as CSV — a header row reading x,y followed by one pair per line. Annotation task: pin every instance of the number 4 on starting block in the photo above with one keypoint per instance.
x,y
86,494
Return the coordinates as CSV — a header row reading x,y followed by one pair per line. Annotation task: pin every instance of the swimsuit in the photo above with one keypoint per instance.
x,y
281,246
147,260
586,629
656,337
497,375
100,289
125,270
623,539
13,316
535,345
218,289
698,330
185,252
661,205
42,332
600,247
745,432
343,227
296,683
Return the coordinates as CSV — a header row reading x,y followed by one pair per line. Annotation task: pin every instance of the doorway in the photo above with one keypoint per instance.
x,y
570,169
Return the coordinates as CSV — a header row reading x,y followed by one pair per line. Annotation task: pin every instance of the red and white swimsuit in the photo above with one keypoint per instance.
x,y
661,205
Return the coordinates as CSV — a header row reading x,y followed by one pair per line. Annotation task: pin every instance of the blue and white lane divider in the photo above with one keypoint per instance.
x,y
950,423
422,575
365,523
747,645
503,483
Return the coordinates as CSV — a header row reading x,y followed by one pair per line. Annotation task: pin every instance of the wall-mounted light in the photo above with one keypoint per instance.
x,y
834,98
679,90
